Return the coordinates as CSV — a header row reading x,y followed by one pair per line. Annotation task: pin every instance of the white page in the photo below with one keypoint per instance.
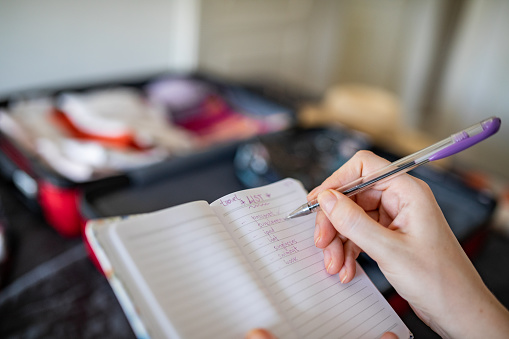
x,y
284,255
189,275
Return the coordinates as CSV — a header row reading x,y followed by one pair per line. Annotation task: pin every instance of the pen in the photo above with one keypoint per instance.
x,y
442,149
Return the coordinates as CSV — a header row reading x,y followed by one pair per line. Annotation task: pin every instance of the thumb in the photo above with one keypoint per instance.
x,y
389,335
350,220
259,333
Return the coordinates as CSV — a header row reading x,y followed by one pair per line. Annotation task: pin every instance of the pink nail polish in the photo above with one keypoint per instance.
x,y
327,258
317,234
343,275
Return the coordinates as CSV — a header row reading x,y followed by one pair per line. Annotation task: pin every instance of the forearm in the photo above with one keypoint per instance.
x,y
470,310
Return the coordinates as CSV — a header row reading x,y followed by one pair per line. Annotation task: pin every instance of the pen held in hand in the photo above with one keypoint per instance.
x,y
442,149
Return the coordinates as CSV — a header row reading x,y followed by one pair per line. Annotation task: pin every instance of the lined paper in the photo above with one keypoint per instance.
x,y
283,254
192,277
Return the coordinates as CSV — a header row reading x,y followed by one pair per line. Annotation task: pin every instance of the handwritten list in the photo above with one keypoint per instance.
x,y
283,254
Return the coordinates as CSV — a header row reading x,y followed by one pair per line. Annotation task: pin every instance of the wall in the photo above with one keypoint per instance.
x,y
316,44
282,40
311,44
476,83
445,59
55,42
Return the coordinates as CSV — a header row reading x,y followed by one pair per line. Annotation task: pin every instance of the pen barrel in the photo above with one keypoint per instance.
x,y
444,148
388,172
398,167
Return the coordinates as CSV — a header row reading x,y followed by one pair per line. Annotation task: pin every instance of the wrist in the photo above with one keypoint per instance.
x,y
474,314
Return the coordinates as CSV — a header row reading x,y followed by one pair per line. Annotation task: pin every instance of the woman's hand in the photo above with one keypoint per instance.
x,y
399,224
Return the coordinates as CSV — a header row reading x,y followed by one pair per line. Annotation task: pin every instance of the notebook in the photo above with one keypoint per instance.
x,y
217,270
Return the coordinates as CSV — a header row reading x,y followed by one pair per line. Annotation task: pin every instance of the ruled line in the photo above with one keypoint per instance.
x,y
353,283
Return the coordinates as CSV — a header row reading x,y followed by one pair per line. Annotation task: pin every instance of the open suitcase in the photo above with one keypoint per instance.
x,y
56,195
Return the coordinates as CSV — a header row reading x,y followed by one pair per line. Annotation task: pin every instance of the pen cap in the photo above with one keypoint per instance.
x,y
468,137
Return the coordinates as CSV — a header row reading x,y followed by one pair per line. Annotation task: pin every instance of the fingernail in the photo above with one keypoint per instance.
x,y
317,234
327,258
330,265
343,275
327,201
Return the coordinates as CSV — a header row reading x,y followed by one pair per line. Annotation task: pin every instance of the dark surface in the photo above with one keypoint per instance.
x,y
65,297
53,291
50,288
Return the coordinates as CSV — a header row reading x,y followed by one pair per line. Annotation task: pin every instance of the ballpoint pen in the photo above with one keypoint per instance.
x,y
442,149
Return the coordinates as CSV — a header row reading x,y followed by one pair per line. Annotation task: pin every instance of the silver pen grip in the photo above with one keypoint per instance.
x,y
363,183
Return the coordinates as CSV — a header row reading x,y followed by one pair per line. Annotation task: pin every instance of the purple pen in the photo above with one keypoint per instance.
x,y
442,149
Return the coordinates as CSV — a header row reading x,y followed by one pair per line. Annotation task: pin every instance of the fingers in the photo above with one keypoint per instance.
x,y
339,252
333,256
259,333
389,335
324,231
351,252
343,226
350,220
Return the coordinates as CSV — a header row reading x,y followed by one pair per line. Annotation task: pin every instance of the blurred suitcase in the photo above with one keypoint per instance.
x,y
46,191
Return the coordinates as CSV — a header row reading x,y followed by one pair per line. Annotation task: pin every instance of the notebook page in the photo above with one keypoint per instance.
x,y
189,279
284,255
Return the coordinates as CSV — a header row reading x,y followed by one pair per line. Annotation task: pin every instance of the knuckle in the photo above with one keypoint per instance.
x,y
423,186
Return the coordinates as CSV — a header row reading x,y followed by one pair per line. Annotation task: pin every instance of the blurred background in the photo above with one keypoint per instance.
x,y
446,61
403,73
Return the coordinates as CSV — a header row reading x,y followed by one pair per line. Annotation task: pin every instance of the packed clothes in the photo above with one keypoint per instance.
x,y
83,135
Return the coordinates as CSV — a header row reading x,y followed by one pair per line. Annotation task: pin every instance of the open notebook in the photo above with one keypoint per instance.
x,y
216,271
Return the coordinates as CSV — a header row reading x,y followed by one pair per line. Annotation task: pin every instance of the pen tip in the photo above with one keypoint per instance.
x,y
301,211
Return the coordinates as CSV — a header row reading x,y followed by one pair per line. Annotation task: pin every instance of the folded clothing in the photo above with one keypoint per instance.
x,y
216,113
95,134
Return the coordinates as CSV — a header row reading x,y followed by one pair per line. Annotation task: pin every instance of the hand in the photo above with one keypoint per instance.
x,y
399,224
